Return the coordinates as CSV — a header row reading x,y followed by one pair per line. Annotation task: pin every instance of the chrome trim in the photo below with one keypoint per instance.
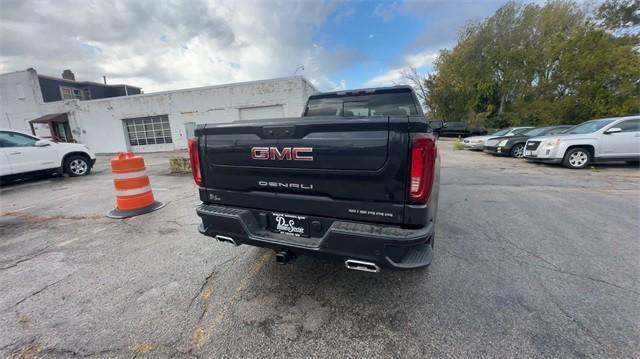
x,y
362,266
220,238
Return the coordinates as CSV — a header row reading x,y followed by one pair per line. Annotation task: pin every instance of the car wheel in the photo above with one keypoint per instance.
x,y
634,163
577,158
517,151
77,165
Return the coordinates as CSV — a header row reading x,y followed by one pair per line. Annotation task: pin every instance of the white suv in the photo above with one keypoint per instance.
x,y
22,154
607,139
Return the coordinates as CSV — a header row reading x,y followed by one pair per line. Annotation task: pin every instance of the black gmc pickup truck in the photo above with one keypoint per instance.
x,y
355,178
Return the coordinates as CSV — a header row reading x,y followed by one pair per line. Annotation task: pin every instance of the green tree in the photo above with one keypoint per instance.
x,y
531,64
619,15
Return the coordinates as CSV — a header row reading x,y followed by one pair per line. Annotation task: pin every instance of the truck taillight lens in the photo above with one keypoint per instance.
x,y
423,160
194,157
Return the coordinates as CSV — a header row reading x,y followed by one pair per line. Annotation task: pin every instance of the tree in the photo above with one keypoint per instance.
x,y
540,65
619,15
414,79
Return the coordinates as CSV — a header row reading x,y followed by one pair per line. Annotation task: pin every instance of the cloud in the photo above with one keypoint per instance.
x,y
421,59
387,11
442,20
394,75
159,45
341,16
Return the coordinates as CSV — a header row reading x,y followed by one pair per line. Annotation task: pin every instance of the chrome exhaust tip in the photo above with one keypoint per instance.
x,y
226,239
362,266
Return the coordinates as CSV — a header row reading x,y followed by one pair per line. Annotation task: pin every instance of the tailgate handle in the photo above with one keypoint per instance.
x,y
279,131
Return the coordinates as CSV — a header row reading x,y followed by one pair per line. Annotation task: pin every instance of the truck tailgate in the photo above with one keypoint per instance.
x,y
341,167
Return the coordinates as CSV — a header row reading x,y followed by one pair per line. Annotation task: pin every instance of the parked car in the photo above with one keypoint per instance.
x,y
514,145
23,155
606,139
477,142
458,128
355,178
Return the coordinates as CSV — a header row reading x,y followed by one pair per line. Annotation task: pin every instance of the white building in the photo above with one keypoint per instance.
x,y
141,122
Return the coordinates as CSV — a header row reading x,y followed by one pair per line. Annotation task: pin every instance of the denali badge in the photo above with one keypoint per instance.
x,y
287,153
285,185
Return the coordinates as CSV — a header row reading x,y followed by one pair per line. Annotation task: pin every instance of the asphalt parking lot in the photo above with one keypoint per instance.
x,y
530,261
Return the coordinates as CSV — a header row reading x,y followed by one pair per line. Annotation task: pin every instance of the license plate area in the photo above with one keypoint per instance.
x,y
289,224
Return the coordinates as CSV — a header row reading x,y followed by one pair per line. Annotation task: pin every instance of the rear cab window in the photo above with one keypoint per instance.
x,y
362,103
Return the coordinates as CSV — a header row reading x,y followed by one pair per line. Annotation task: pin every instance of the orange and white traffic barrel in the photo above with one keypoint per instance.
x,y
133,189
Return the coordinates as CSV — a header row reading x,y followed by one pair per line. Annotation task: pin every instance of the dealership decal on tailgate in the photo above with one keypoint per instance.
x,y
290,224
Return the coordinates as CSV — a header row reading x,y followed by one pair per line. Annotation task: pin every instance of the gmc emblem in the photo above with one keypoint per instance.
x,y
287,153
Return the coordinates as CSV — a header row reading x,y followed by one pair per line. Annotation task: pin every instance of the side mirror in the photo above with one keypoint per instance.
x,y
613,130
42,143
436,126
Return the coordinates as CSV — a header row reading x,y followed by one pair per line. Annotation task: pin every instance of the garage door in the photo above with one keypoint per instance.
x,y
148,134
256,113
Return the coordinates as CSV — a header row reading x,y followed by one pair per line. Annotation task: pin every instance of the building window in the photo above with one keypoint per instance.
x,y
70,93
153,130
86,94
67,93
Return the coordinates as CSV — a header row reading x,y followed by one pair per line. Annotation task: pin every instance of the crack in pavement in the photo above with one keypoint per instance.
x,y
564,312
502,238
29,257
24,259
585,277
200,336
37,349
205,283
553,267
208,278
71,352
199,333
40,290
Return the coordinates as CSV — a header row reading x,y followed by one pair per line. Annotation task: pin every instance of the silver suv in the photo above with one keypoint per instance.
x,y
606,139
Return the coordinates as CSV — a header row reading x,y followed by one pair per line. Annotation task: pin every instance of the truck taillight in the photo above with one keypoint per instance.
x,y
194,157
423,159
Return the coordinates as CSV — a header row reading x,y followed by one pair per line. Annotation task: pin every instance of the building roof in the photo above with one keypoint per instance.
x,y
86,82
233,84
52,117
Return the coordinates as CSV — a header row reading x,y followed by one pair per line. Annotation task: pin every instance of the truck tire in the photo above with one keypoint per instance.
x,y
517,151
77,165
577,158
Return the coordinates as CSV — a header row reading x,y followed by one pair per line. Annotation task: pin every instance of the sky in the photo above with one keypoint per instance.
x,y
164,45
